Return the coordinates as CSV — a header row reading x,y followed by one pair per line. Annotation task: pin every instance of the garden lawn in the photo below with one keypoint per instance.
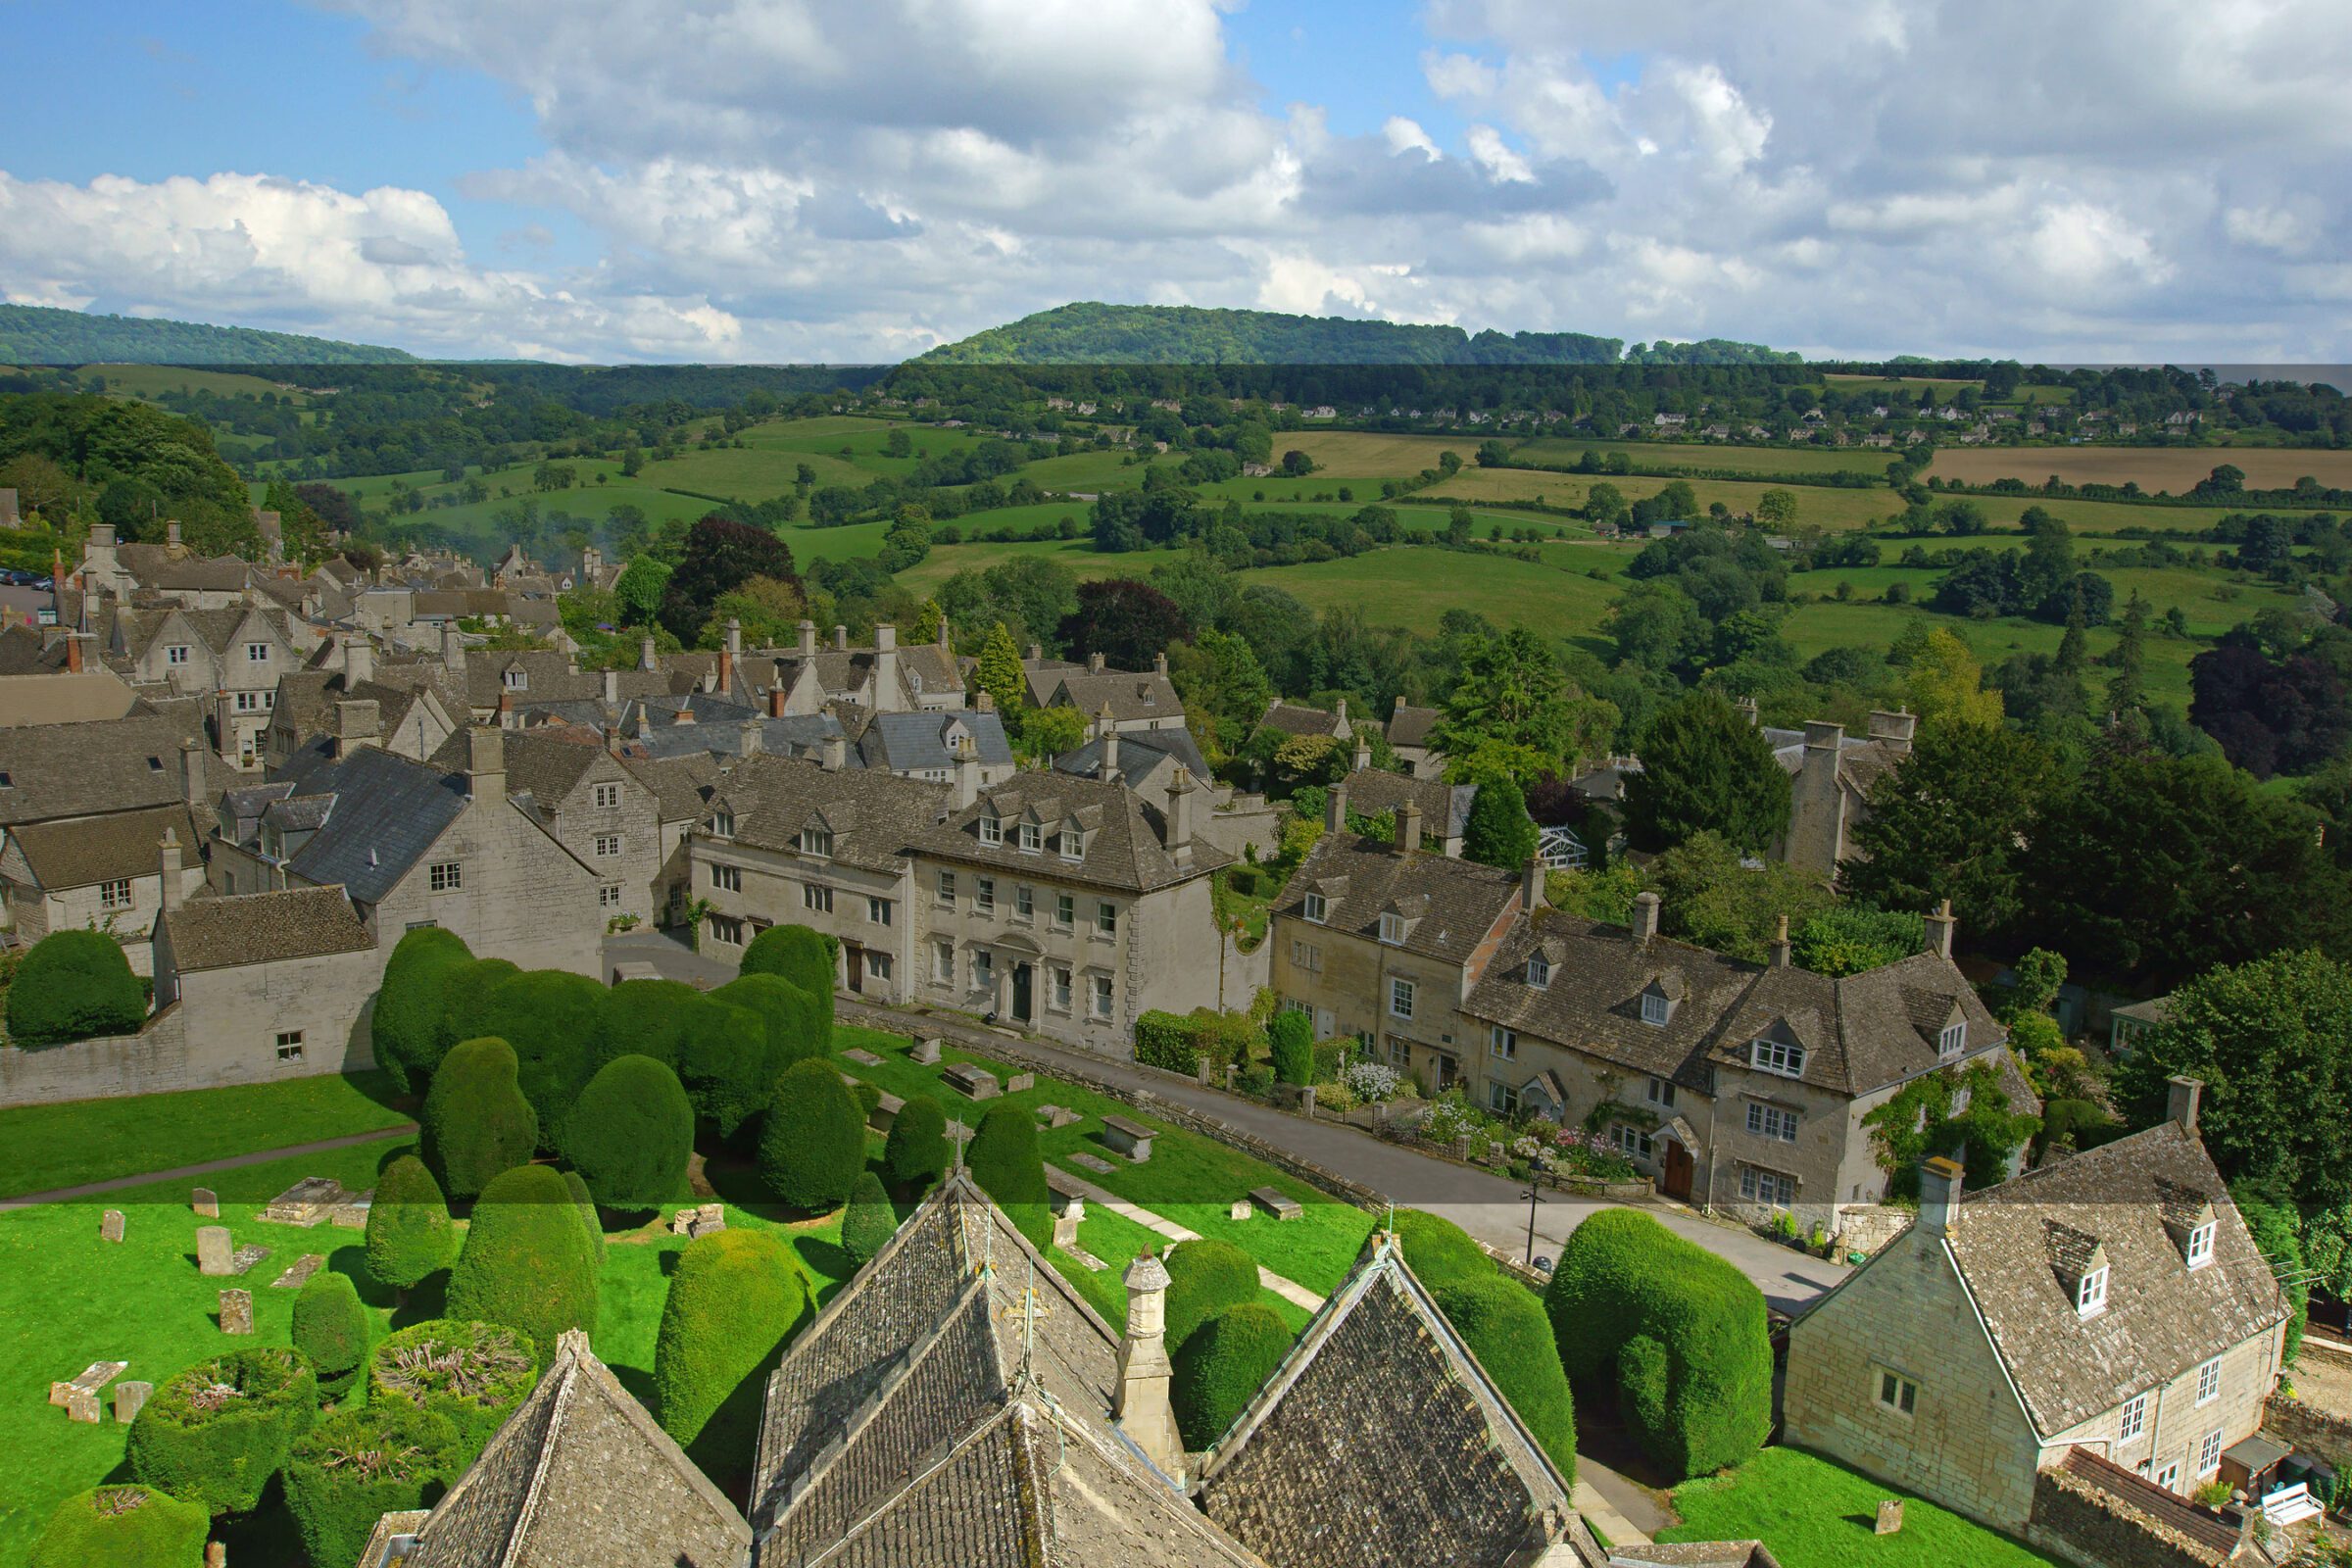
x,y
66,1143
1815,1514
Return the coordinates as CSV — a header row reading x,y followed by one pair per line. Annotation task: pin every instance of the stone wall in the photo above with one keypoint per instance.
x,y
153,1058
2092,1528
2307,1427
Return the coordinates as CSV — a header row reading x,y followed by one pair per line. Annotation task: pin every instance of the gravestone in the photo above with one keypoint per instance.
x,y
1130,1138
1020,1081
927,1052
236,1311
129,1397
79,1394
1057,1116
861,1056
299,1275
206,1203
1232,1074
1890,1516
110,1226
212,1250
1242,1208
709,1219
975,1082
1283,1205
1094,1164
350,1214
886,1111
309,1201
245,1257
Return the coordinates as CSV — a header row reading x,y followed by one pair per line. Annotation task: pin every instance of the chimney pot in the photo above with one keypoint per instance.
x,y
1533,895
1783,950
1037,653
1094,664
1159,663
648,656
837,753
2186,1096
1646,917
734,634
1335,808
841,639
612,687
359,660
808,644
1940,1191
1941,927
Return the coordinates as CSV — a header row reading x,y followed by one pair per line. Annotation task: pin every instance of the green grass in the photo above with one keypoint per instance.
x,y
1414,587
73,1142
1814,1514
1563,450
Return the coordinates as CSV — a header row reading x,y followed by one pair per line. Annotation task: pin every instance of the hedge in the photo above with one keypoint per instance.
x,y
217,1432
630,1134
528,1263
74,985
871,1222
1291,1037
406,1020
466,998
651,1018
409,1235
813,1147
1003,1160
330,1328
1204,1278
473,1375
1502,1322
732,1303
802,955
1701,1400
584,1202
475,1123
1439,1251
124,1527
555,1022
724,1064
798,1024
1222,1366
1182,1043
915,1153
359,1464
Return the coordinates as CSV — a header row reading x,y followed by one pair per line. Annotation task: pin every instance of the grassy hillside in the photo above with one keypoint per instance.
x,y
36,334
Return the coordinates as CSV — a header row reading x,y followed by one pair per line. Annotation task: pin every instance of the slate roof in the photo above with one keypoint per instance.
x,y
88,770
906,743
211,932
77,852
23,652
138,631
683,785
172,568
1360,878
1087,761
306,700
546,763
1411,726
387,813
874,815
1292,719
1129,697
1444,807
581,1477
2011,1243
1125,845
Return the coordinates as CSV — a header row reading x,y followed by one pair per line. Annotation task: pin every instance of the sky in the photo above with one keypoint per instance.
x,y
856,181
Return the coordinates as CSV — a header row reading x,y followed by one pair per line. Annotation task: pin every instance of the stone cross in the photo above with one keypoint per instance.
x,y
129,1397
212,1250
1890,1516
236,1311
207,1204
110,1226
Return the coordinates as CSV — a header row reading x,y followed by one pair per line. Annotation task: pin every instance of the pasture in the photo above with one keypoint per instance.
x,y
150,381
1558,452
2172,470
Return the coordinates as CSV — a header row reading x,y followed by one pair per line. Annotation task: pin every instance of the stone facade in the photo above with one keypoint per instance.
x,y
257,1022
522,896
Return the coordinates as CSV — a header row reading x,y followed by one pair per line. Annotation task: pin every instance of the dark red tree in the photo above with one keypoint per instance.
x,y
721,555
1125,621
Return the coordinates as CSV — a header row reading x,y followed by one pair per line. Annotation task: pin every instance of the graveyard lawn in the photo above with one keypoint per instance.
x,y
1815,1514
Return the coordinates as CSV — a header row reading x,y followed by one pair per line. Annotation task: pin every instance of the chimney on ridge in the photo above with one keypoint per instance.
x,y
648,656
358,723
1646,917
486,765
1180,814
1140,1406
1894,730
1941,927
2186,1094
775,701
170,867
1783,950
1335,808
1939,1184
1408,826
968,773
808,642
1532,893
886,669
841,639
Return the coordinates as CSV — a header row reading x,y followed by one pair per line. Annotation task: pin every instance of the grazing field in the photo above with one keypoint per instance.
x,y
1816,505
153,380
2172,470
1368,455
1901,384
1558,450
1413,587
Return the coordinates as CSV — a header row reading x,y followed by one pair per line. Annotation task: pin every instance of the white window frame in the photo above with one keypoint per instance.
x,y
877,963
1065,912
2200,1245
1897,1392
289,1045
2090,1293
1953,1041
815,841
2209,1382
1502,1097
607,796
1400,1052
1033,837
947,890
607,894
517,681
1062,988
722,825
1632,1141
445,876
1769,1187
1655,1010
1503,1045
984,894
877,911
1539,972
984,970
1778,1057
943,962
1659,1092
607,846
1771,1122
2209,1455
1024,901
2168,1476
1401,998
992,829
1106,919
2133,1423
1392,929
1104,997
1315,908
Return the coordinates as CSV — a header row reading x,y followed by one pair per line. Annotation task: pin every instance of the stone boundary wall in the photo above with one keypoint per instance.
x,y
2086,1526
155,1059
2310,1427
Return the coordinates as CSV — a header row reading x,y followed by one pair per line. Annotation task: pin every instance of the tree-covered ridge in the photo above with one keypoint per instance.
x,y
1091,334
36,334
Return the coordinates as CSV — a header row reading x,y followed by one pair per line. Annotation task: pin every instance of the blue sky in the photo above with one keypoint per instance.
x,y
760,180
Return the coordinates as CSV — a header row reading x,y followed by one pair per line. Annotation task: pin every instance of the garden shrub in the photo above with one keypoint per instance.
x,y
124,1527
74,985
1224,1363
652,1018
555,1022
217,1432
407,1021
409,1235
473,1375
1439,1251
731,1306
584,1201
466,992
1292,1037
871,1222
1502,1322
330,1327
1206,1277
1005,1161
476,1122
629,1134
869,1101
359,1464
1622,1276
796,1025
916,1154
804,957
814,1145
722,1060
1165,1040
526,1262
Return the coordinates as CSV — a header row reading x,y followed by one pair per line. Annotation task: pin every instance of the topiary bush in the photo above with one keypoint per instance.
x,y
871,1222
528,1263
1225,1361
74,985
407,1021
1439,1251
555,1022
630,1134
915,1153
473,1375
584,1201
215,1433
732,1303
359,1464
869,1101
1702,1401
813,1147
476,1123
1204,1278
466,999
1292,1039
652,1018
797,1027
1502,1322
409,1235
724,1064
330,1327
804,957
124,1527
1003,1160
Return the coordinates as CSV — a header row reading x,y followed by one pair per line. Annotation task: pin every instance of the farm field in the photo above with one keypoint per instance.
x,y
1816,505
1562,449
2172,470
152,381
1406,587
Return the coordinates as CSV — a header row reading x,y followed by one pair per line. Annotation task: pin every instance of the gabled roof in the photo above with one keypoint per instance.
x,y
1444,807
1128,697
220,932
906,743
772,798
1125,839
581,1477
1360,878
1292,719
77,852
386,812
88,770
546,764
1411,726
1087,761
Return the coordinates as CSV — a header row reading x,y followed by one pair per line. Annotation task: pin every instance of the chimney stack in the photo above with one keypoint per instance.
x,y
191,774
612,688
808,642
648,656
170,867
1363,752
1037,653
1939,1185
505,711
359,660
1408,826
1532,893
754,739
985,703
886,669
1783,950
837,752
1751,712
1180,814
1646,917
1894,730
73,652
1159,663
775,701
945,646
1340,713
727,654
841,639
1940,925
1094,664
171,536
1335,808
1110,746
486,765
967,773
2186,1096
613,739
453,649
358,723
1140,1406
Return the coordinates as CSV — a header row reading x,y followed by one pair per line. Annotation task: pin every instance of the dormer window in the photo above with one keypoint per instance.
x,y
1953,1041
2199,1250
722,823
1776,1056
1655,1010
2090,1293
992,829
816,841
1315,908
517,680
1392,929
1073,843
1538,971
1033,837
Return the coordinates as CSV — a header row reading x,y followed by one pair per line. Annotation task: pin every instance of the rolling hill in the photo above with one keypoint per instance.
x,y
34,334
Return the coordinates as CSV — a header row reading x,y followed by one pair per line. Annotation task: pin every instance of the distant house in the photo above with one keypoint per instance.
x,y
1409,736
1831,779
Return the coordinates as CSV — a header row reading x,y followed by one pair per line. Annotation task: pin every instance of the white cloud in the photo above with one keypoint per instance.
x,y
1404,135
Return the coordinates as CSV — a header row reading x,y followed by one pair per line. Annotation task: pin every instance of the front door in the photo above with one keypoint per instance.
x,y
856,957
1021,979
1674,1170
1449,1072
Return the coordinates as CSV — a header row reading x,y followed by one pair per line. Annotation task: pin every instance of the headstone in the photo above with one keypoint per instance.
x,y
243,1259
206,1203
110,1226
975,1082
81,1404
236,1311
862,1058
1242,1209
1284,1205
1100,1167
1057,1116
212,1250
296,1277
1891,1515
350,1214
1130,1138
885,1112
129,1397
1020,1081
1065,1226
81,1389
927,1052
682,1222
707,1219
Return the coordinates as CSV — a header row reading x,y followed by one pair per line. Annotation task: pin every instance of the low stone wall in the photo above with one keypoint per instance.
x,y
155,1059
2091,1526
2311,1429
1867,1228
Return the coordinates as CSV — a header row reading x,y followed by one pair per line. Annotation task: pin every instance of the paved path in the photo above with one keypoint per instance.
x,y
1290,1291
259,1157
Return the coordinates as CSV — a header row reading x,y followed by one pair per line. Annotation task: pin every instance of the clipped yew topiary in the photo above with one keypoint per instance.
x,y
1502,1322
585,1203
797,1026
122,1527
215,1433
527,1261
732,1303
1292,1040
470,1374
650,1019
723,1060
407,1021
804,957
630,1134
409,1235
1204,1278
476,1122
915,1153
1225,1361
1439,1251
871,1222
466,999
330,1327
359,1464
812,1149
555,1020
1003,1160
74,985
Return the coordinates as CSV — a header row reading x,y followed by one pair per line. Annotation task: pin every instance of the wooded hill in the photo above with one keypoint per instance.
x,y
36,334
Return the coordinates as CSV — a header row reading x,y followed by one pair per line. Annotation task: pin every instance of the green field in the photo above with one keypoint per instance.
x,y
149,381
1564,450
1812,1513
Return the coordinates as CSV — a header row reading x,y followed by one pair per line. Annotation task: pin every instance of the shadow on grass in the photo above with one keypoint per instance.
x,y
735,1179
376,1084
829,1259
639,1381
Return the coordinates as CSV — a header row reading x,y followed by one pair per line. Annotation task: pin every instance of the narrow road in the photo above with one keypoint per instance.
x,y
259,1157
